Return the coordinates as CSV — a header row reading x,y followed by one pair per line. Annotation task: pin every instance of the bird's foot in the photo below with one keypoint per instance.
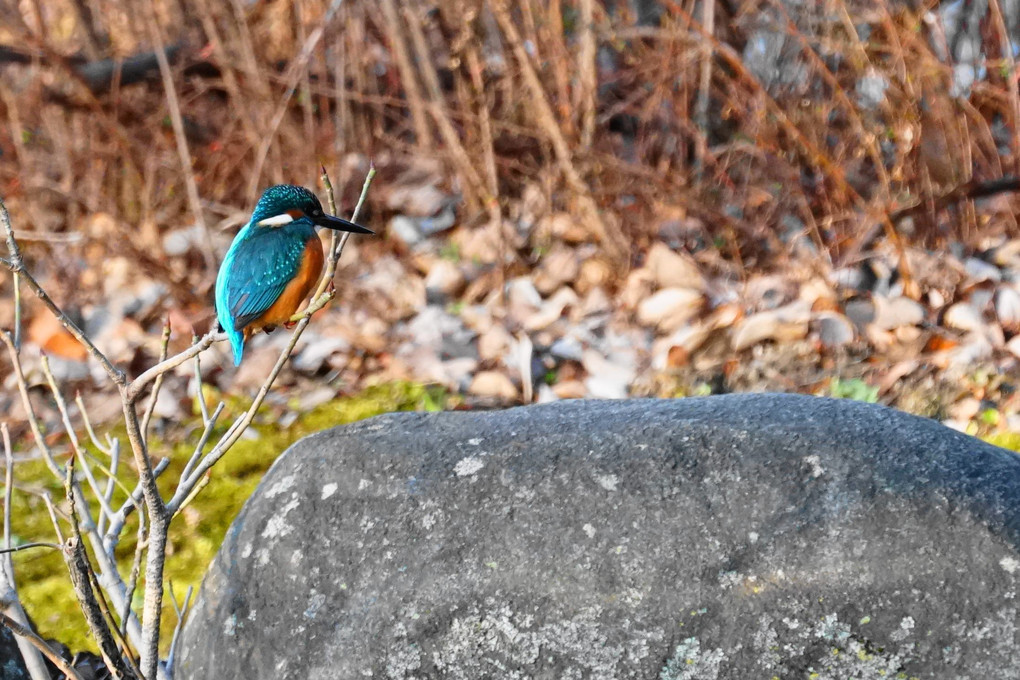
x,y
289,324
331,288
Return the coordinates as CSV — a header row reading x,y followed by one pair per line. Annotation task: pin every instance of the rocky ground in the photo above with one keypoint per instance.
x,y
427,301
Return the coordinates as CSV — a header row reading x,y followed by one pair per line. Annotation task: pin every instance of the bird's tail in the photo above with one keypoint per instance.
x,y
236,344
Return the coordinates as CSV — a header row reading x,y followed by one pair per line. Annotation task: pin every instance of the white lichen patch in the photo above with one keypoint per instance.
x,y
690,662
1010,564
815,462
589,530
468,466
316,601
230,625
329,489
277,525
246,550
608,482
364,484
475,442
281,486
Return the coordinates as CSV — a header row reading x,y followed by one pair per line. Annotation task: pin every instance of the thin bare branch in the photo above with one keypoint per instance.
x,y
26,546
105,448
203,440
199,392
119,518
27,633
136,568
151,406
82,577
9,600
182,613
134,389
65,417
26,402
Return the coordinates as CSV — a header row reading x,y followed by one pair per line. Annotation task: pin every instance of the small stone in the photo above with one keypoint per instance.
x,y
670,308
1007,308
570,389
606,379
670,269
783,324
638,287
417,200
494,343
405,229
978,270
444,282
861,311
891,313
557,267
834,330
494,384
963,316
552,310
594,273
568,347
676,349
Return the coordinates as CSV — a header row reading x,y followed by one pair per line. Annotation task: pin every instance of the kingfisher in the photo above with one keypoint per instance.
x,y
273,264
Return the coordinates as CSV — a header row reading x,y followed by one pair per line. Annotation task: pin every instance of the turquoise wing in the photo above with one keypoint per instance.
x,y
255,272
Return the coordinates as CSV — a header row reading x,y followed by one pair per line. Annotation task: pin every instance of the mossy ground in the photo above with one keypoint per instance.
x,y
196,534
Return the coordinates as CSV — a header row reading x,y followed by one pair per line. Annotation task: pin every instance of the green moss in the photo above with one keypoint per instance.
x,y
196,534
1007,440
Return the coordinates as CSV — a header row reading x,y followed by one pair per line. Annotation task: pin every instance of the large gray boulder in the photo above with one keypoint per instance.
x,y
746,537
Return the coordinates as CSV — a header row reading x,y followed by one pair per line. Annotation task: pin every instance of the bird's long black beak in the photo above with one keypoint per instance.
x,y
340,224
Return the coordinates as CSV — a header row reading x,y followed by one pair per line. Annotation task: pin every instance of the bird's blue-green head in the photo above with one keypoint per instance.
x,y
286,203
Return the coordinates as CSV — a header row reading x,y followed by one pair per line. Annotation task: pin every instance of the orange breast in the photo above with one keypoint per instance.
x,y
296,291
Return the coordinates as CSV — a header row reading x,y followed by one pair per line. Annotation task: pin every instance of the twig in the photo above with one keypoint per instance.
x,y
136,386
151,406
26,546
704,85
72,437
26,402
81,578
88,425
40,644
8,589
136,568
203,440
182,612
112,537
8,487
199,392
322,296
111,484
436,109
